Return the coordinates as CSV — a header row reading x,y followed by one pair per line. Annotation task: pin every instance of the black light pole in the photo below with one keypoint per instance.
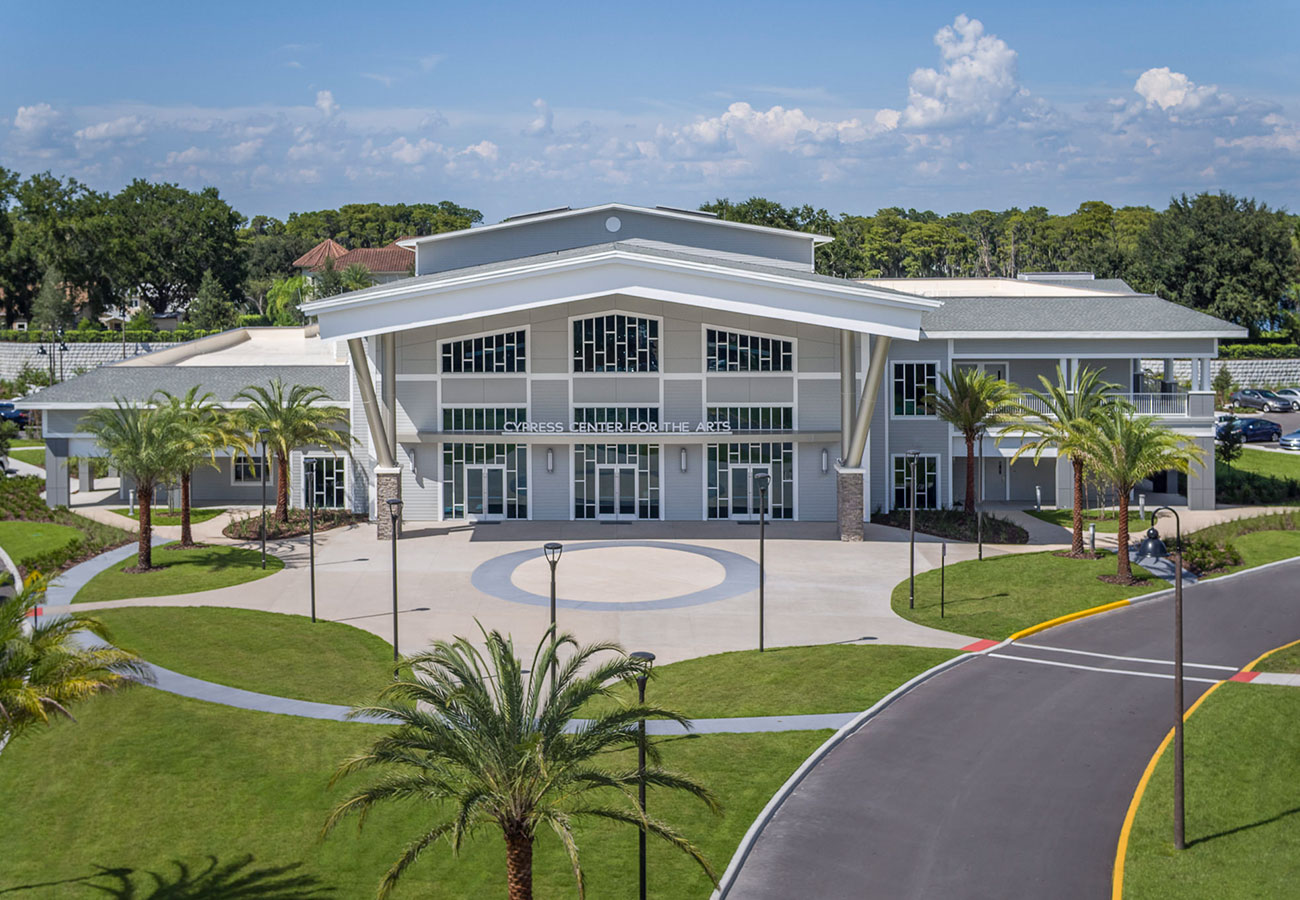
x,y
943,575
648,658
761,481
552,551
63,348
911,527
263,432
1155,548
310,464
394,516
979,503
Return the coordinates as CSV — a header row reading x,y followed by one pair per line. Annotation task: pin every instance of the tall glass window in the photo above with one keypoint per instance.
x,y
616,343
616,481
927,482
731,490
504,352
736,351
481,419
485,480
754,418
914,383
610,417
328,487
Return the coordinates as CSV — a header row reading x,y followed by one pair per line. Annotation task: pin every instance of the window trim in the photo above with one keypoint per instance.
x,y
938,479
347,477
704,352
981,364
443,408
271,469
568,342
938,381
526,328
793,407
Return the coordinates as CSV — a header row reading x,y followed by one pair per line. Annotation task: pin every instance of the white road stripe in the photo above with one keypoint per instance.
x,y
1065,665
1162,662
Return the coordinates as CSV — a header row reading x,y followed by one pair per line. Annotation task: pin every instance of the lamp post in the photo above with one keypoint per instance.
x,y
552,551
310,465
63,349
979,503
1155,548
761,481
394,516
911,527
648,658
263,432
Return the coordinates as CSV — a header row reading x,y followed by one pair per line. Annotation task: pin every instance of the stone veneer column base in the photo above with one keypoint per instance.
x,y
848,491
388,485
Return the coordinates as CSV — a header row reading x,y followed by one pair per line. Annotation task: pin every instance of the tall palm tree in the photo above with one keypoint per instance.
x,y
43,671
1060,417
202,430
973,401
356,277
489,748
296,416
141,443
1122,449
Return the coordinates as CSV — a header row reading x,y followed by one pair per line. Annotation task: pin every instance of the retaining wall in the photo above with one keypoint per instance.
x,y
13,356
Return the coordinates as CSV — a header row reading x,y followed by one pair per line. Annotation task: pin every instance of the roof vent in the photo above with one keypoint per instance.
x,y
1055,276
689,212
534,214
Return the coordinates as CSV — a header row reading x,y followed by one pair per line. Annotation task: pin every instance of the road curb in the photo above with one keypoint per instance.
x,y
778,799
1068,617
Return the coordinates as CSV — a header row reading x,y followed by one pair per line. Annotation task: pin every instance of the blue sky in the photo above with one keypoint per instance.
x,y
510,107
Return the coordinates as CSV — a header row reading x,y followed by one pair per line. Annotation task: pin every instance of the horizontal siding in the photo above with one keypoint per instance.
x,y
549,491
817,502
819,405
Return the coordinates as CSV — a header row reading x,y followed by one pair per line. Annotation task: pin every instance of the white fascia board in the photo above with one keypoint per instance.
x,y
614,207
613,273
1083,335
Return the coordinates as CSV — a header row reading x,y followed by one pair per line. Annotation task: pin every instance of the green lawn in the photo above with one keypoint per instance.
x,y
22,540
1270,463
1260,547
162,517
181,572
1287,661
150,782
831,678
34,457
1243,804
1106,520
271,653
998,596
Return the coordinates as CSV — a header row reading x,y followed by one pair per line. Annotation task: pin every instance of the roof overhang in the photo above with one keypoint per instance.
x,y
421,302
1086,335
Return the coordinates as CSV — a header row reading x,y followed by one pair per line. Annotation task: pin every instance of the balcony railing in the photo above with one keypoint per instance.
x,y
1143,404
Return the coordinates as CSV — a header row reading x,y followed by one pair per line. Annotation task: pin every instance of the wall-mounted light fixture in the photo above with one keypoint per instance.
x,y
683,459
550,460
826,460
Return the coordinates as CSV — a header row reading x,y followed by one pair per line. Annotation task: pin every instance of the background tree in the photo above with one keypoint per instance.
x,y
1122,450
43,671
329,281
295,417
53,307
355,277
376,224
211,308
201,430
1228,448
486,747
8,434
1223,385
973,401
283,298
141,320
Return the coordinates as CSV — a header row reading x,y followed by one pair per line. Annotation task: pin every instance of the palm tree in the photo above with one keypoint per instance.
x,y
294,417
1122,449
1060,417
141,443
202,430
488,748
43,671
972,402
356,277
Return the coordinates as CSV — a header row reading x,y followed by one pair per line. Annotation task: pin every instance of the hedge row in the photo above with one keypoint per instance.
x,y
1260,351
104,337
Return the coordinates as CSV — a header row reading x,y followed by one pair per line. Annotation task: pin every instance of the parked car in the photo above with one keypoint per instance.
x,y
1290,441
1258,398
1251,430
1292,394
11,413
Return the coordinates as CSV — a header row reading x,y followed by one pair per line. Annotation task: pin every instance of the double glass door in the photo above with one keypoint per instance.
x,y
616,492
485,492
746,499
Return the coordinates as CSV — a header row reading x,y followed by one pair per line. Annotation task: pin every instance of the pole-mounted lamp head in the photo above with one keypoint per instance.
x,y
552,550
1153,547
762,480
646,657
395,508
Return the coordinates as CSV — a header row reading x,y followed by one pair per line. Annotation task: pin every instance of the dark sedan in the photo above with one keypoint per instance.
x,y
11,413
1258,398
1251,429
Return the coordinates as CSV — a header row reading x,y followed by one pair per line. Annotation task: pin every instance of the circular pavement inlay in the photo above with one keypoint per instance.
x,y
620,575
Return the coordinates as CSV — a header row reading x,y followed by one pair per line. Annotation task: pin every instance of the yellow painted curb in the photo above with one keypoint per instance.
x,y
1070,617
1117,880
1250,666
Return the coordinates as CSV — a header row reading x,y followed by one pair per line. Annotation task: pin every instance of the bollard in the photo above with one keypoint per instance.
x,y
1142,506
130,494
1092,536
1038,498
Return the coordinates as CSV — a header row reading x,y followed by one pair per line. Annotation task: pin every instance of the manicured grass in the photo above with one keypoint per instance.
x,y
1243,804
832,678
162,517
1268,463
33,457
1287,660
180,572
23,512
22,540
1106,520
1262,547
270,653
150,782
998,596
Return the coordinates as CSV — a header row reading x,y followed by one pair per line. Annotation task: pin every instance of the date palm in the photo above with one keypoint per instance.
x,y
43,671
203,430
972,402
294,416
356,277
491,747
1122,449
141,443
1060,417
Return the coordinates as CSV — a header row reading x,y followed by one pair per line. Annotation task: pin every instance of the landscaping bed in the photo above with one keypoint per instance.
x,y
1106,520
167,516
38,538
179,571
1243,543
249,527
955,525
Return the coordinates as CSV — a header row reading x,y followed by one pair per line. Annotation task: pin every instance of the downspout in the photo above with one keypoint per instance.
x,y
867,404
848,385
383,450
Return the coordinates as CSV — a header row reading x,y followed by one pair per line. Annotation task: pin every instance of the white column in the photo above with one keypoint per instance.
x,y
1206,379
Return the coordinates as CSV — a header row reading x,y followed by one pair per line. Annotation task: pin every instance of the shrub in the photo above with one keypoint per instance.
x,y
1260,351
1202,555
956,525
248,528
20,499
253,321
1247,488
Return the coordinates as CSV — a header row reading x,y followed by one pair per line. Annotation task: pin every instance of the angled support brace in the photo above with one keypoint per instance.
x,y
369,402
867,404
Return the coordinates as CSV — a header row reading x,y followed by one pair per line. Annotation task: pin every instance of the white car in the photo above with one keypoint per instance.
x,y
1292,394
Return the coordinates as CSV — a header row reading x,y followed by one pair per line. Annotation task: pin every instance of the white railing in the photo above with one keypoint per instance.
x,y
1143,404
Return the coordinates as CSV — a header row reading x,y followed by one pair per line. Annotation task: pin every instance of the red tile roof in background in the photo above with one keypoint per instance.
x,y
317,255
378,259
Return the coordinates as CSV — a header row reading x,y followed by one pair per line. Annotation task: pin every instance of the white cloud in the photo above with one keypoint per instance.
x,y
244,151
188,156
325,103
385,80
35,119
1172,90
775,129
545,121
427,63
121,127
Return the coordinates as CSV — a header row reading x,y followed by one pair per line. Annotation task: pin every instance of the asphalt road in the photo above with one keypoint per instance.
x,y
1009,775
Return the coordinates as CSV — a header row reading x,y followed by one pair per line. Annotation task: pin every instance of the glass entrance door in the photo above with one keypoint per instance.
x,y
485,492
616,492
746,500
